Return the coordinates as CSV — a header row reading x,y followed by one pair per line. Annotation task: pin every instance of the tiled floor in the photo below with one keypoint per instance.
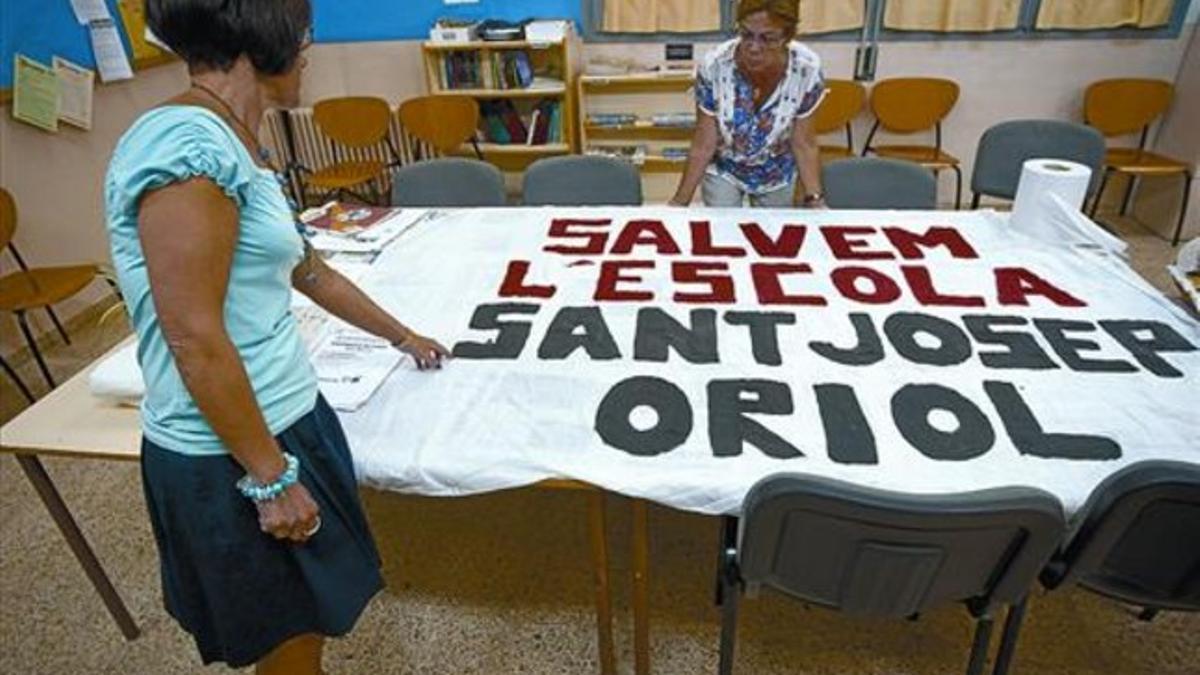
x,y
501,584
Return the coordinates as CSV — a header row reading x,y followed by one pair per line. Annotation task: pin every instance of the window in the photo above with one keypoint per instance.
x,y
650,20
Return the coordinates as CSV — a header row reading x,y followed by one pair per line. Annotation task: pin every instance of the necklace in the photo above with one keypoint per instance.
x,y
265,156
227,109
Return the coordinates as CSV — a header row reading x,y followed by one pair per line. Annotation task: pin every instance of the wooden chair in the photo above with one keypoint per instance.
x,y
910,105
354,125
1125,106
37,288
843,102
436,126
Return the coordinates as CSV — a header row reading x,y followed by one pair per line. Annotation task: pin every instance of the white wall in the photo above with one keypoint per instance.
x,y
57,178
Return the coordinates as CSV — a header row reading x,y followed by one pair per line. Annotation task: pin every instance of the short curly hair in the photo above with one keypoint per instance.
x,y
787,11
215,33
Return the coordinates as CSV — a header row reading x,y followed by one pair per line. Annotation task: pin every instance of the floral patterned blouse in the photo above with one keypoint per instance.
x,y
755,150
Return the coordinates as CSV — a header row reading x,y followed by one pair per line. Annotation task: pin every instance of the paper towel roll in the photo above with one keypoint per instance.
x,y
1041,177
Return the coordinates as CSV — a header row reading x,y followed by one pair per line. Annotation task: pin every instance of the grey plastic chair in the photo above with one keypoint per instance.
x,y
1138,540
878,183
582,181
1004,149
450,182
871,552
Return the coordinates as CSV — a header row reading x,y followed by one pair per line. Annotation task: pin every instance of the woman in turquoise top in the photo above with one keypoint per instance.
x,y
249,485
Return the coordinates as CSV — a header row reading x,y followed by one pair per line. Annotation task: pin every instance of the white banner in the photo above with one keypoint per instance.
x,y
682,355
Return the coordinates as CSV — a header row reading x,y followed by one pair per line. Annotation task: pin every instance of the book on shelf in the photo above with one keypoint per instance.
x,y
634,154
675,119
617,119
504,124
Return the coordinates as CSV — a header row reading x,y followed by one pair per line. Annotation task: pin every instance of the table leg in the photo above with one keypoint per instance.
x,y
598,529
36,473
641,584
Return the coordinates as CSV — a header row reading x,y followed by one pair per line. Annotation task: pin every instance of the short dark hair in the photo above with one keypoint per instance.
x,y
214,33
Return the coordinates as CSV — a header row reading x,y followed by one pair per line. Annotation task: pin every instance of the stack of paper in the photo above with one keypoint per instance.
x,y
351,365
372,239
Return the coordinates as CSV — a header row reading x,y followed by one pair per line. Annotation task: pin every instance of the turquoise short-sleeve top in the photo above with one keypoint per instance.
x,y
176,143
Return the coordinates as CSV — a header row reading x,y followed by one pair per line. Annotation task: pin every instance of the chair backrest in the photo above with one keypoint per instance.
x,y
843,102
1126,105
871,552
1006,147
8,218
353,121
449,182
878,183
443,122
909,104
1139,538
582,181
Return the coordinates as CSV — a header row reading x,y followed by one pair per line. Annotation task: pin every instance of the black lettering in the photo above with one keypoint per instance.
x,y
511,336
867,351
658,332
1162,338
1029,438
674,423
954,347
764,333
1023,351
730,402
1068,349
563,336
911,406
848,435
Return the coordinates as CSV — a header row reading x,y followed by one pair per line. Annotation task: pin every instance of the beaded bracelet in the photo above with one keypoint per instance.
x,y
260,492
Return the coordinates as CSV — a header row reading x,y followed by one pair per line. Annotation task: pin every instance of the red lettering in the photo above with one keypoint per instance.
x,y
921,284
883,289
702,245
770,289
1014,285
610,276
514,285
720,286
909,244
791,238
645,233
847,243
578,228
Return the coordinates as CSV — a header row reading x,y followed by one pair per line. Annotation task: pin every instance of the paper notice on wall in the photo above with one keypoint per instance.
x,y
87,11
35,93
351,365
74,93
111,59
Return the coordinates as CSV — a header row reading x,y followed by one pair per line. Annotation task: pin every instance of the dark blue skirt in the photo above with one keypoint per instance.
x,y
237,590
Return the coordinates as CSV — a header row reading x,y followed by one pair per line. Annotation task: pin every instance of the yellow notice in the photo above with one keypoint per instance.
x,y
134,17
35,93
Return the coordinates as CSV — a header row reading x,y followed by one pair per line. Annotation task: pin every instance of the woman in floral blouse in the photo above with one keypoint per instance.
x,y
755,96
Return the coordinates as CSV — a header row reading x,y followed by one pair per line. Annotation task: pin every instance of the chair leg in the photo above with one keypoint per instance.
x,y
979,648
1008,639
726,543
1183,209
1147,614
37,354
729,616
16,380
1100,193
958,187
1127,201
975,201
58,324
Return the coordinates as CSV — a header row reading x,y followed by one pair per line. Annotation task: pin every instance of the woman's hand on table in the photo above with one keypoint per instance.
x,y
292,515
427,352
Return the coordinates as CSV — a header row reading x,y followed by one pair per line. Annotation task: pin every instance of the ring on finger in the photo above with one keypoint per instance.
x,y
313,530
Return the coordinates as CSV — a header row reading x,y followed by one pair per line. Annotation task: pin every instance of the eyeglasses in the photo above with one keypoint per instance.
x,y
768,40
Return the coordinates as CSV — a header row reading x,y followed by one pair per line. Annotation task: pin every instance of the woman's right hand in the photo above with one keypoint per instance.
x,y
292,515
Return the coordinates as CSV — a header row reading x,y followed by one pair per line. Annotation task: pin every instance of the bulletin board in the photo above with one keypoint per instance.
x,y
41,29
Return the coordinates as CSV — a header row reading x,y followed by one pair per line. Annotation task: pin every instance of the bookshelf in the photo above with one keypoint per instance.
x,y
526,93
646,118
